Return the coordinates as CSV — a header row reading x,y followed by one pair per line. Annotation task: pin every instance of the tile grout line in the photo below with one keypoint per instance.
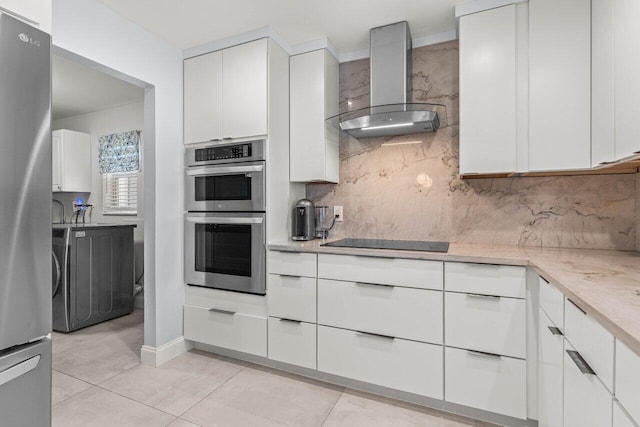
x,y
332,408
213,391
136,401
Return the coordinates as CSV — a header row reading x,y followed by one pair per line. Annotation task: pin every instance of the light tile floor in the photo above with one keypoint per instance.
x,y
98,381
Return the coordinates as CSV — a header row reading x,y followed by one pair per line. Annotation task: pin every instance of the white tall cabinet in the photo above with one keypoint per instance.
x,y
225,93
71,161
37,12
559,85
488,91
313,98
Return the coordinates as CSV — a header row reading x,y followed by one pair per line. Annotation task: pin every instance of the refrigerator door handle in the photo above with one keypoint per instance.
x,y
19,369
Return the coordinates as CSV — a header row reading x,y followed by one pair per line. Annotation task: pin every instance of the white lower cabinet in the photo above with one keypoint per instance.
x,y
226,329
628,380
550,372
488,382
620,418
486,323
592,340
292,342
390,362
587,402
292,297
409,313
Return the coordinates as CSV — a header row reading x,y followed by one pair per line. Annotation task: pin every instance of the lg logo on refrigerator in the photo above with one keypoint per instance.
x,y
25,38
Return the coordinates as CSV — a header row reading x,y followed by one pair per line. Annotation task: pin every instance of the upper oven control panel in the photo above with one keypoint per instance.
x,y
225,152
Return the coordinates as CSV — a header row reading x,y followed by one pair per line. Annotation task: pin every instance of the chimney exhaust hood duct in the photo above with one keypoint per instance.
x,y
391,112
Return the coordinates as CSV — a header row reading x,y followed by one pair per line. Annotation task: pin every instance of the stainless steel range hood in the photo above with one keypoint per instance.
x,y
391,112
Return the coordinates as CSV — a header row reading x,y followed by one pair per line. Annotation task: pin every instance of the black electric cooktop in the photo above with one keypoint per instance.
x,y
397,245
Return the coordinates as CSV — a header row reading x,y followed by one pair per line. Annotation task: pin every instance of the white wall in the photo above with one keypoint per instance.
x,y
89,29
99,123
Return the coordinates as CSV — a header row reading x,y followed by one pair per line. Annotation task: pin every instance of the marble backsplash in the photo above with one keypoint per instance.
x,y
413,191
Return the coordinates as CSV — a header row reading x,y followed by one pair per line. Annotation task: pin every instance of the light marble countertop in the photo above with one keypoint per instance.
x,y
604,283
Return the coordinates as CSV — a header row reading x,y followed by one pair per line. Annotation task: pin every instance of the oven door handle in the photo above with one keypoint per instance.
x,y
223,220
223,170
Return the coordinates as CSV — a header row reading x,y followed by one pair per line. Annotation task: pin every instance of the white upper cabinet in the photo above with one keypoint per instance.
x,y
35,12
313,97
225,93
488,91
626,76
602,83
559,85
203,98
244,92
71,161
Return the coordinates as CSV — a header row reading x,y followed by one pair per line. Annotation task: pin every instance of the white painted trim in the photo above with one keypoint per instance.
x,y
156,356
353,56
445,36
249,36
481,5
322,43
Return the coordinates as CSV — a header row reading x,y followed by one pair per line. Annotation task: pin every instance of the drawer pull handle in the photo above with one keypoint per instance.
x,y
555,331
483,354
576,306
291,321
580,362
376,257
292,276
482,296
374,285
217,310
369,334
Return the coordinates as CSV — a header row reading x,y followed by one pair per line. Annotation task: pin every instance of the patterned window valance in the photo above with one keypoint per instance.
x,y
119,152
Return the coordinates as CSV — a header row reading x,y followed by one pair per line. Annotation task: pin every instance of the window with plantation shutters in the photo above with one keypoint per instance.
x,y
119,159
120,193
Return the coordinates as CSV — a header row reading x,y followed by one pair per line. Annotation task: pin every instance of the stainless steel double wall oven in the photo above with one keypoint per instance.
x,y
225,220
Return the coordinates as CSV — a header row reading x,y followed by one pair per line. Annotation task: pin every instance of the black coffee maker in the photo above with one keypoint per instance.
x,y
303,220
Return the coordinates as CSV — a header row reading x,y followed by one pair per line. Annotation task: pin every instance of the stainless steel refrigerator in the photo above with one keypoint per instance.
x,y
25,224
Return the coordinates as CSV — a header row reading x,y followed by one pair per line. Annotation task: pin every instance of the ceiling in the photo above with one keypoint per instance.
x,y
189,23
78,89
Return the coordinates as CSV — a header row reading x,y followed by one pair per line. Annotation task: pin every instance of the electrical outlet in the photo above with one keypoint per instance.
x,y
337,211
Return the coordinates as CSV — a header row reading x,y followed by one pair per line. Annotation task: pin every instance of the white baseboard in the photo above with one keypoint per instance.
x,y
156,356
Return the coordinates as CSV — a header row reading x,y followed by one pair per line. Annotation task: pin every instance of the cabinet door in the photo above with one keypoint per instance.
x,y
627,83
56,161
560,84
602,82
551,356
488,91
203,98
587,402
620,418
244,94
76,162
313,97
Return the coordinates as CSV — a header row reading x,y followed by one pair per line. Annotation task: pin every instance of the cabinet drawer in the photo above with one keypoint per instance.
x,y
235,331
395,363
491,383
587,402
628,380
594,343
550,373
414,314
385,271
489,279
292,263
486,323
255,305
292,342
552,302
292,297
